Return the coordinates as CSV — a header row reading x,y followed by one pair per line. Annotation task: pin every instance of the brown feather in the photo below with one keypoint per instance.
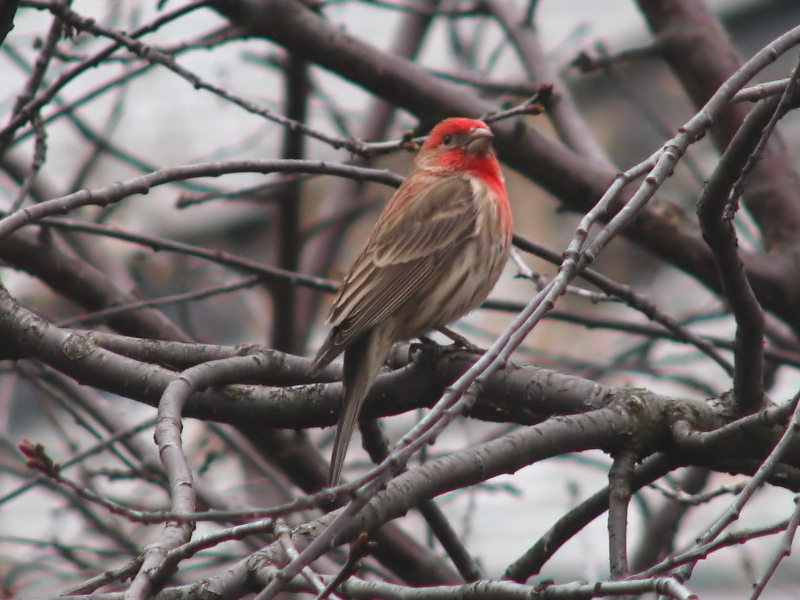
x,y
362,361
384,276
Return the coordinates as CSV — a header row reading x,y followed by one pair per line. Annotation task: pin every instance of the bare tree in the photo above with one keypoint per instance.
x,y
181,185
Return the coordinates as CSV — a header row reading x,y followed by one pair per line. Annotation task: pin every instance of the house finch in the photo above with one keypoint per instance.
x,y
434,255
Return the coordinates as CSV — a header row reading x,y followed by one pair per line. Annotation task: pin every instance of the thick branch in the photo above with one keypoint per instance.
x,y
712,207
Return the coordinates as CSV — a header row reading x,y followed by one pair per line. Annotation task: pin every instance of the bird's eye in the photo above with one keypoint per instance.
x,y
447,140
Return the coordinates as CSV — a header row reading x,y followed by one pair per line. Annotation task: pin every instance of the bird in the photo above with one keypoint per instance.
x,y
434,255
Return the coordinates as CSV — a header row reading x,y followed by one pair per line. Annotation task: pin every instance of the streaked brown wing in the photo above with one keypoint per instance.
x,y
403,253
440,216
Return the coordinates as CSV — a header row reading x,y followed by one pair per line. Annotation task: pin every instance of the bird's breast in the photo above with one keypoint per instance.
x,y
463,278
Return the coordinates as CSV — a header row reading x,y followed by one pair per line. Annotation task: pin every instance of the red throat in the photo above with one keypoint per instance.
x,y
488,169
484,167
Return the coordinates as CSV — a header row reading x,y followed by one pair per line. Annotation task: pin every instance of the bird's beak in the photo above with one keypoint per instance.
x,y
480,142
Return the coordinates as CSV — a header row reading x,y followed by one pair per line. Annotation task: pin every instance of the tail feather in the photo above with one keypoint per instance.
x,y
362,362
329,350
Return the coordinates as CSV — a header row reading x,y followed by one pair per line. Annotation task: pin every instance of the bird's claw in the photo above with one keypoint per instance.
x,y
459,341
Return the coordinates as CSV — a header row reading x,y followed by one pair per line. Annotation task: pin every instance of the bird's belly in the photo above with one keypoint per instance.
x,y
454,290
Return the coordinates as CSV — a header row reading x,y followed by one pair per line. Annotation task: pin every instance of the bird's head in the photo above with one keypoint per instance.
x,y
459,137
460,145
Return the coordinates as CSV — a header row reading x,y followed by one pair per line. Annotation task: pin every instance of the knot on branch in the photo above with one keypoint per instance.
x,y
78,346
688,417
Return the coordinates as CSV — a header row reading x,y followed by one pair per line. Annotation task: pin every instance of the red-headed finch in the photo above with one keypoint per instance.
x,y
434,255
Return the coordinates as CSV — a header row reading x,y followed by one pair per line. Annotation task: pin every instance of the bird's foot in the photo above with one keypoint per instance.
x,y
459,341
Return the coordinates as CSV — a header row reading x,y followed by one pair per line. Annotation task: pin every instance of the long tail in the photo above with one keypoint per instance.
x,y
362,362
